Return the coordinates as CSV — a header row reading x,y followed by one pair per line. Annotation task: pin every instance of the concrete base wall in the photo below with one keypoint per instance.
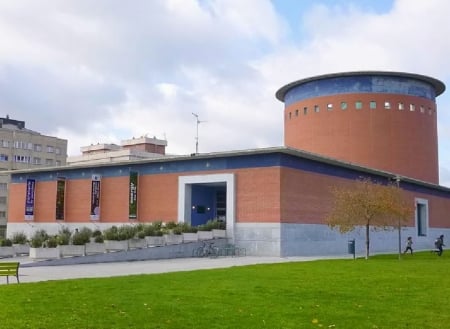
x,y
289,240
258,239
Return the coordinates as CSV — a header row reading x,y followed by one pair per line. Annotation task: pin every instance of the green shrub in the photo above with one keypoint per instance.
x,y
19,238
96,233
5,243
52,242
82,236
177,230
86,232
111,233
139,227
157,225
38,238
98,239
149,230
63,237
126,232
186,228
204,227
212,224
170,225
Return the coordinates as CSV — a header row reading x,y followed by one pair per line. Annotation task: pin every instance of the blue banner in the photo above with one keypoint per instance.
x,y
133,195
95,197
29,199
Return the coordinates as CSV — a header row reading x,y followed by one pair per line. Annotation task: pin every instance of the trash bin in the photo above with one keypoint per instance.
x,y
351,247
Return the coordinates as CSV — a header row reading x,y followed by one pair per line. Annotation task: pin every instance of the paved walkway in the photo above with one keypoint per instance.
x,y
46,273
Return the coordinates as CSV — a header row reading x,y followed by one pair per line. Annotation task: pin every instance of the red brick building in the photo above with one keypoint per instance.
x,y
274,200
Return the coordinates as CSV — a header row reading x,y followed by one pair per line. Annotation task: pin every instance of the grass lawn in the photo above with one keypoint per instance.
x,y
381,292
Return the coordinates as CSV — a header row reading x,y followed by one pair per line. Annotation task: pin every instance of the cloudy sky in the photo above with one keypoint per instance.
x,y
108,70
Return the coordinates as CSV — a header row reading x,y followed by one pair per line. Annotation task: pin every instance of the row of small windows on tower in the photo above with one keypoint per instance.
x,y
359,106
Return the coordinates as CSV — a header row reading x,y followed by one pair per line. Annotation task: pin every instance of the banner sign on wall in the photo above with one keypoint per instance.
x,y
29,199
60,197
95,197
133,195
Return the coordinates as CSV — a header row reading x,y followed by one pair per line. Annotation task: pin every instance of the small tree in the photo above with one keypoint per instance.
x,y
368,204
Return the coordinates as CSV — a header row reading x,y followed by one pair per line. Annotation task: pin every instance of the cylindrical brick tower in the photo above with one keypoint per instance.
x,y
381,120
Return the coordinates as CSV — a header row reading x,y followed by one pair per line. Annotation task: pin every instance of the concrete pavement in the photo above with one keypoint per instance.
x,y
96,270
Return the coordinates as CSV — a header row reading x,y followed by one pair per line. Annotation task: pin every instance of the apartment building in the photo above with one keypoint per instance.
x,y
22,148
129,150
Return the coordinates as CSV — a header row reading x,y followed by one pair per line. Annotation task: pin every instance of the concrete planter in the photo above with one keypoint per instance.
x,y
7,252
173,239
21,249
190,237
205,235
155,241
137,243
95,248
71,250
44,253
113,245
219,233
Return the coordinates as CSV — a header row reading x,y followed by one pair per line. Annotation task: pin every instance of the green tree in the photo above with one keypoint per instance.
x,y
368,204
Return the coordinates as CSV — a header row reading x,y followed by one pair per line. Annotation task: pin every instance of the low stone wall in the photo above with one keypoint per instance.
x,y
183,250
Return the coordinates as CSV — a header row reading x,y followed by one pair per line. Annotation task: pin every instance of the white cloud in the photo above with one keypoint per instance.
x,y
108,70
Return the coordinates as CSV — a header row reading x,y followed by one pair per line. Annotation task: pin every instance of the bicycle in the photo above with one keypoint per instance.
x,y
206,250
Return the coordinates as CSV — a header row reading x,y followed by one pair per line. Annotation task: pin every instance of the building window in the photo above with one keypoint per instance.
x,y
422,217
38,147
296,113
50,149
49,162
37,161
305,110
58,163
57,150
387,105
422,109
373,105
3,186
5,143
330,107
401,106
358,105
3,157
22,158
2,214
316,108
412,107
29,146
343,105
2,200
19,145
430,112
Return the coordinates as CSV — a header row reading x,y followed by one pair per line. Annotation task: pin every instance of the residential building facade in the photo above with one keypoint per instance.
x,y
22,148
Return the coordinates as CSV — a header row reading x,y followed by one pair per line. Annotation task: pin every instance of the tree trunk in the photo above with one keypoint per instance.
x,y
367,241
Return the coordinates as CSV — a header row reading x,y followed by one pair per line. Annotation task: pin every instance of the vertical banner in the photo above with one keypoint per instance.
x,y
29,200
95,197
133,195
60,197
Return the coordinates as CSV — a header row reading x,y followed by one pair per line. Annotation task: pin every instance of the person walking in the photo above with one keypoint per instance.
x,y
409,243
439,243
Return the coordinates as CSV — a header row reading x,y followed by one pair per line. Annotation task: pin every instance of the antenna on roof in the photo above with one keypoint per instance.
x,y
196,136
